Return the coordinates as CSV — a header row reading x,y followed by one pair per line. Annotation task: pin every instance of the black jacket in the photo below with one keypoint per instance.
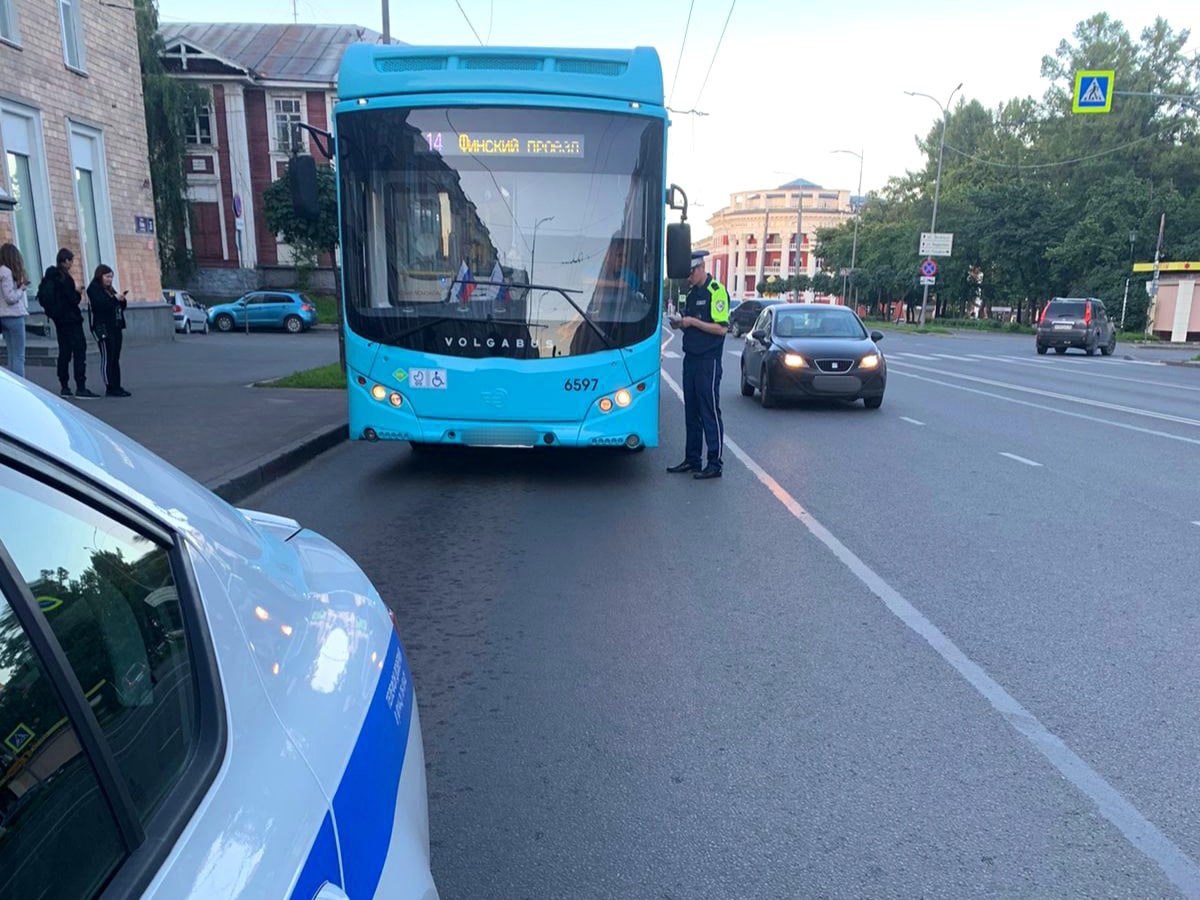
x,y
66,296
106,309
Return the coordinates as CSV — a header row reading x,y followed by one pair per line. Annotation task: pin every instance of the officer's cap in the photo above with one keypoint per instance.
x,y
698,258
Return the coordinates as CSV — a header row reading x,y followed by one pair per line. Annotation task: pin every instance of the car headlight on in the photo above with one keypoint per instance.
x,y
870,361
794,361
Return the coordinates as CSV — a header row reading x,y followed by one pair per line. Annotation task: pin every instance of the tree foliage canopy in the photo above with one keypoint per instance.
x,y
1042,202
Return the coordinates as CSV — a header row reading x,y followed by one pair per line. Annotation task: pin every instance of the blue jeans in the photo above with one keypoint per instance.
x,y
13,328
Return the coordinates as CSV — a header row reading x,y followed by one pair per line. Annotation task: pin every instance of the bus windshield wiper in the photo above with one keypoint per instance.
x,y
564,292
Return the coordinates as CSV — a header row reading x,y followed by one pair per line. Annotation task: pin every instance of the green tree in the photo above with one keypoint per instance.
x,y
308,238
168,102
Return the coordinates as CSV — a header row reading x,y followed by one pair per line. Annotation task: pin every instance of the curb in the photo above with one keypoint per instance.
x,y
273,466
1183,363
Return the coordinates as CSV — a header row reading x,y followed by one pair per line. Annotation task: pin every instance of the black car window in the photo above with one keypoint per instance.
x,y
831,322
261,298
1098,310
109,596
57,835
1066,309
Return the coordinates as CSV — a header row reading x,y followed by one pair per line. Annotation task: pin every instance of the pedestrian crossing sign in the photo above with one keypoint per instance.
x,y
1093,91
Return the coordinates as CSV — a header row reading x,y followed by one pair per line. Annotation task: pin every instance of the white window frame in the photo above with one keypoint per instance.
x,y
70,16
87,152
192,125
273,123
10,25
26,139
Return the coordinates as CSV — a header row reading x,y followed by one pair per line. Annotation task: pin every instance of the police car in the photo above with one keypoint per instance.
x,y
195,701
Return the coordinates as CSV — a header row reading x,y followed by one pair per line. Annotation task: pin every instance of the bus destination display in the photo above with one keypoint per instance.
x,y
504,144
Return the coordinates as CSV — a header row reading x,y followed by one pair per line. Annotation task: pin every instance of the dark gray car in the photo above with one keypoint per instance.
x,y
1076,322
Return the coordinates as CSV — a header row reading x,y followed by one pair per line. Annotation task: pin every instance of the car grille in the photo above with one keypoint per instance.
x,y
836,366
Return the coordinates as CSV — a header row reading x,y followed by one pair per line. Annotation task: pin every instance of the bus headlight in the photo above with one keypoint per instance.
x,y
379,392
623,397
606,404
395,399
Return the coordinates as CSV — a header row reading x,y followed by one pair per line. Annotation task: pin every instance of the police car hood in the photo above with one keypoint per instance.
x,y
52,427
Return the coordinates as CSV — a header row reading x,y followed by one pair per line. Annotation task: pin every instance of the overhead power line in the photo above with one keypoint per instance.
x,y
458,3
1062,162
679,62
712,61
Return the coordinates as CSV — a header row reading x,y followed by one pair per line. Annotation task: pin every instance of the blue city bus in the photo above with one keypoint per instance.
x,y
502,238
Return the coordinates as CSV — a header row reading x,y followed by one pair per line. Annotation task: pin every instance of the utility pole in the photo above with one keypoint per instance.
x,y
799,238
1162,224
1125,301
857,213
387,23
937,184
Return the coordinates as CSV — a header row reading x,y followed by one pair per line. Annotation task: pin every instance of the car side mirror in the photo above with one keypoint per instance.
x,y
679,250
302,180
759,335
877,336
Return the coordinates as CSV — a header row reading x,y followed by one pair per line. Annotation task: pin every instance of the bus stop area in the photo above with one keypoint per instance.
x,y
194,403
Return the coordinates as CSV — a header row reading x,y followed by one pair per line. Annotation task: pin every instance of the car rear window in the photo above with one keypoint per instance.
x,y
1066,308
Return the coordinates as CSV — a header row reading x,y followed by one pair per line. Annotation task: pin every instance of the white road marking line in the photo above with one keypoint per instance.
x,y
913,355
1021,459
1053,409
950,356
1070,398
1196,523
1143,834
670,354
914,421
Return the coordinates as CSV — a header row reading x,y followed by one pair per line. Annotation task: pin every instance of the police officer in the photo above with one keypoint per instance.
x,y
704,323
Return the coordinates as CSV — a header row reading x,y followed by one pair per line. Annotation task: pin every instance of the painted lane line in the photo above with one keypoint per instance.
x,y
1070,398
1053,409
1021,459
670,354
950,356
1013,360
914,356
1196,523
913,421
1143,834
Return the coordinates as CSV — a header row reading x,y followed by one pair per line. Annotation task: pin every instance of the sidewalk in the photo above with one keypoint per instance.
x,y
194,404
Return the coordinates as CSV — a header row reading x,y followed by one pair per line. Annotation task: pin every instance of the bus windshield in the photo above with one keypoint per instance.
x,y
499,231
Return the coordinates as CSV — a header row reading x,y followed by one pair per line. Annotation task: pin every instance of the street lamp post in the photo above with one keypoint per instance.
x,y
533,249
937,184
1125,301
857,213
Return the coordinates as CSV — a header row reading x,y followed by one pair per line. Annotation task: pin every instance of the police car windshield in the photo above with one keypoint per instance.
x,y
528,233
818,323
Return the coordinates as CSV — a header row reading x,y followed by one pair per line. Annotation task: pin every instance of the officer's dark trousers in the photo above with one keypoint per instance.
x,y
110,359
702,409
72,345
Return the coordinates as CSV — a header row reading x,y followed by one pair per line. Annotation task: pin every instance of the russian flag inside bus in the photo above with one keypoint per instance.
x,y
502,234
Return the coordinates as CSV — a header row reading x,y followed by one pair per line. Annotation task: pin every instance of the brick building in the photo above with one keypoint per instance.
x,y
73,140
259,80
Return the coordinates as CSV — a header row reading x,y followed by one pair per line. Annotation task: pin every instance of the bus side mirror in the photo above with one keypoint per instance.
x,y
302,179
679,250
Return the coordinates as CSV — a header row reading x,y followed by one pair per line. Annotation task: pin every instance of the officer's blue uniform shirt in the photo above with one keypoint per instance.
x,y
708,302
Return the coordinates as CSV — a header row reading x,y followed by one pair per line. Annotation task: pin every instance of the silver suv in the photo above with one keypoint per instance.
x,y
1076,322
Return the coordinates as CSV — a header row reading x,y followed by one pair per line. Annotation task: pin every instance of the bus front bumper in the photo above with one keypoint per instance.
x,y
634,426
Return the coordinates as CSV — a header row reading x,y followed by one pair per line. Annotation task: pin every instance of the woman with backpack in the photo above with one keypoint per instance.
x,y
108,319
14,308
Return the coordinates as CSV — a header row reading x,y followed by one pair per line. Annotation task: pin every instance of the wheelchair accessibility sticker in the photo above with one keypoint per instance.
x,y
429,379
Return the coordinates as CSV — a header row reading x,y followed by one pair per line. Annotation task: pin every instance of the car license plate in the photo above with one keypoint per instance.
x,y
1063,326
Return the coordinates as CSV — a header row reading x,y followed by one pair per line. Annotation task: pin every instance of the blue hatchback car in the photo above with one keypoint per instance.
x,y
289,310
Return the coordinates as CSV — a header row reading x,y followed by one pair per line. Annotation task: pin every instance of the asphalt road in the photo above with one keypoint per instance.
x,y
942,649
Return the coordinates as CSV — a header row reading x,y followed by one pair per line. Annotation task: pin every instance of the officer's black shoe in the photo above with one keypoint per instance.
x,y
684,466
708,472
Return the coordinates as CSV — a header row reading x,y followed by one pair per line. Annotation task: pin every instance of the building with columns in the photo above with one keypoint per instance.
x,y
754,237
260,80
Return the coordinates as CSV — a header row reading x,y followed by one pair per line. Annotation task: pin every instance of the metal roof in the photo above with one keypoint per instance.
x,y
306,53
798,183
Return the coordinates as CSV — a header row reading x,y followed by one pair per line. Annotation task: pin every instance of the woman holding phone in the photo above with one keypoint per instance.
x,y
108,320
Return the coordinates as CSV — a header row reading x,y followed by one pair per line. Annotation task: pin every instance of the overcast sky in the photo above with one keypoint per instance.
x,y
793,81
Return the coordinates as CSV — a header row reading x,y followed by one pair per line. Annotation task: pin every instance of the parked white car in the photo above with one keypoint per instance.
x,y
190,314
196,701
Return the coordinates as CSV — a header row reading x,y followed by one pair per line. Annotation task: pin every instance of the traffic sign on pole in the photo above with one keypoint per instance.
x,y
1093,91
936,243
929,268
928,280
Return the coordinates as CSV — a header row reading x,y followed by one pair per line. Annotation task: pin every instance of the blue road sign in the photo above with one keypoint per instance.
x,y
1093,91
929,268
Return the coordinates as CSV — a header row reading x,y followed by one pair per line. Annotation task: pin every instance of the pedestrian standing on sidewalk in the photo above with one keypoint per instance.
x,y
14,308
108,320
60,298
